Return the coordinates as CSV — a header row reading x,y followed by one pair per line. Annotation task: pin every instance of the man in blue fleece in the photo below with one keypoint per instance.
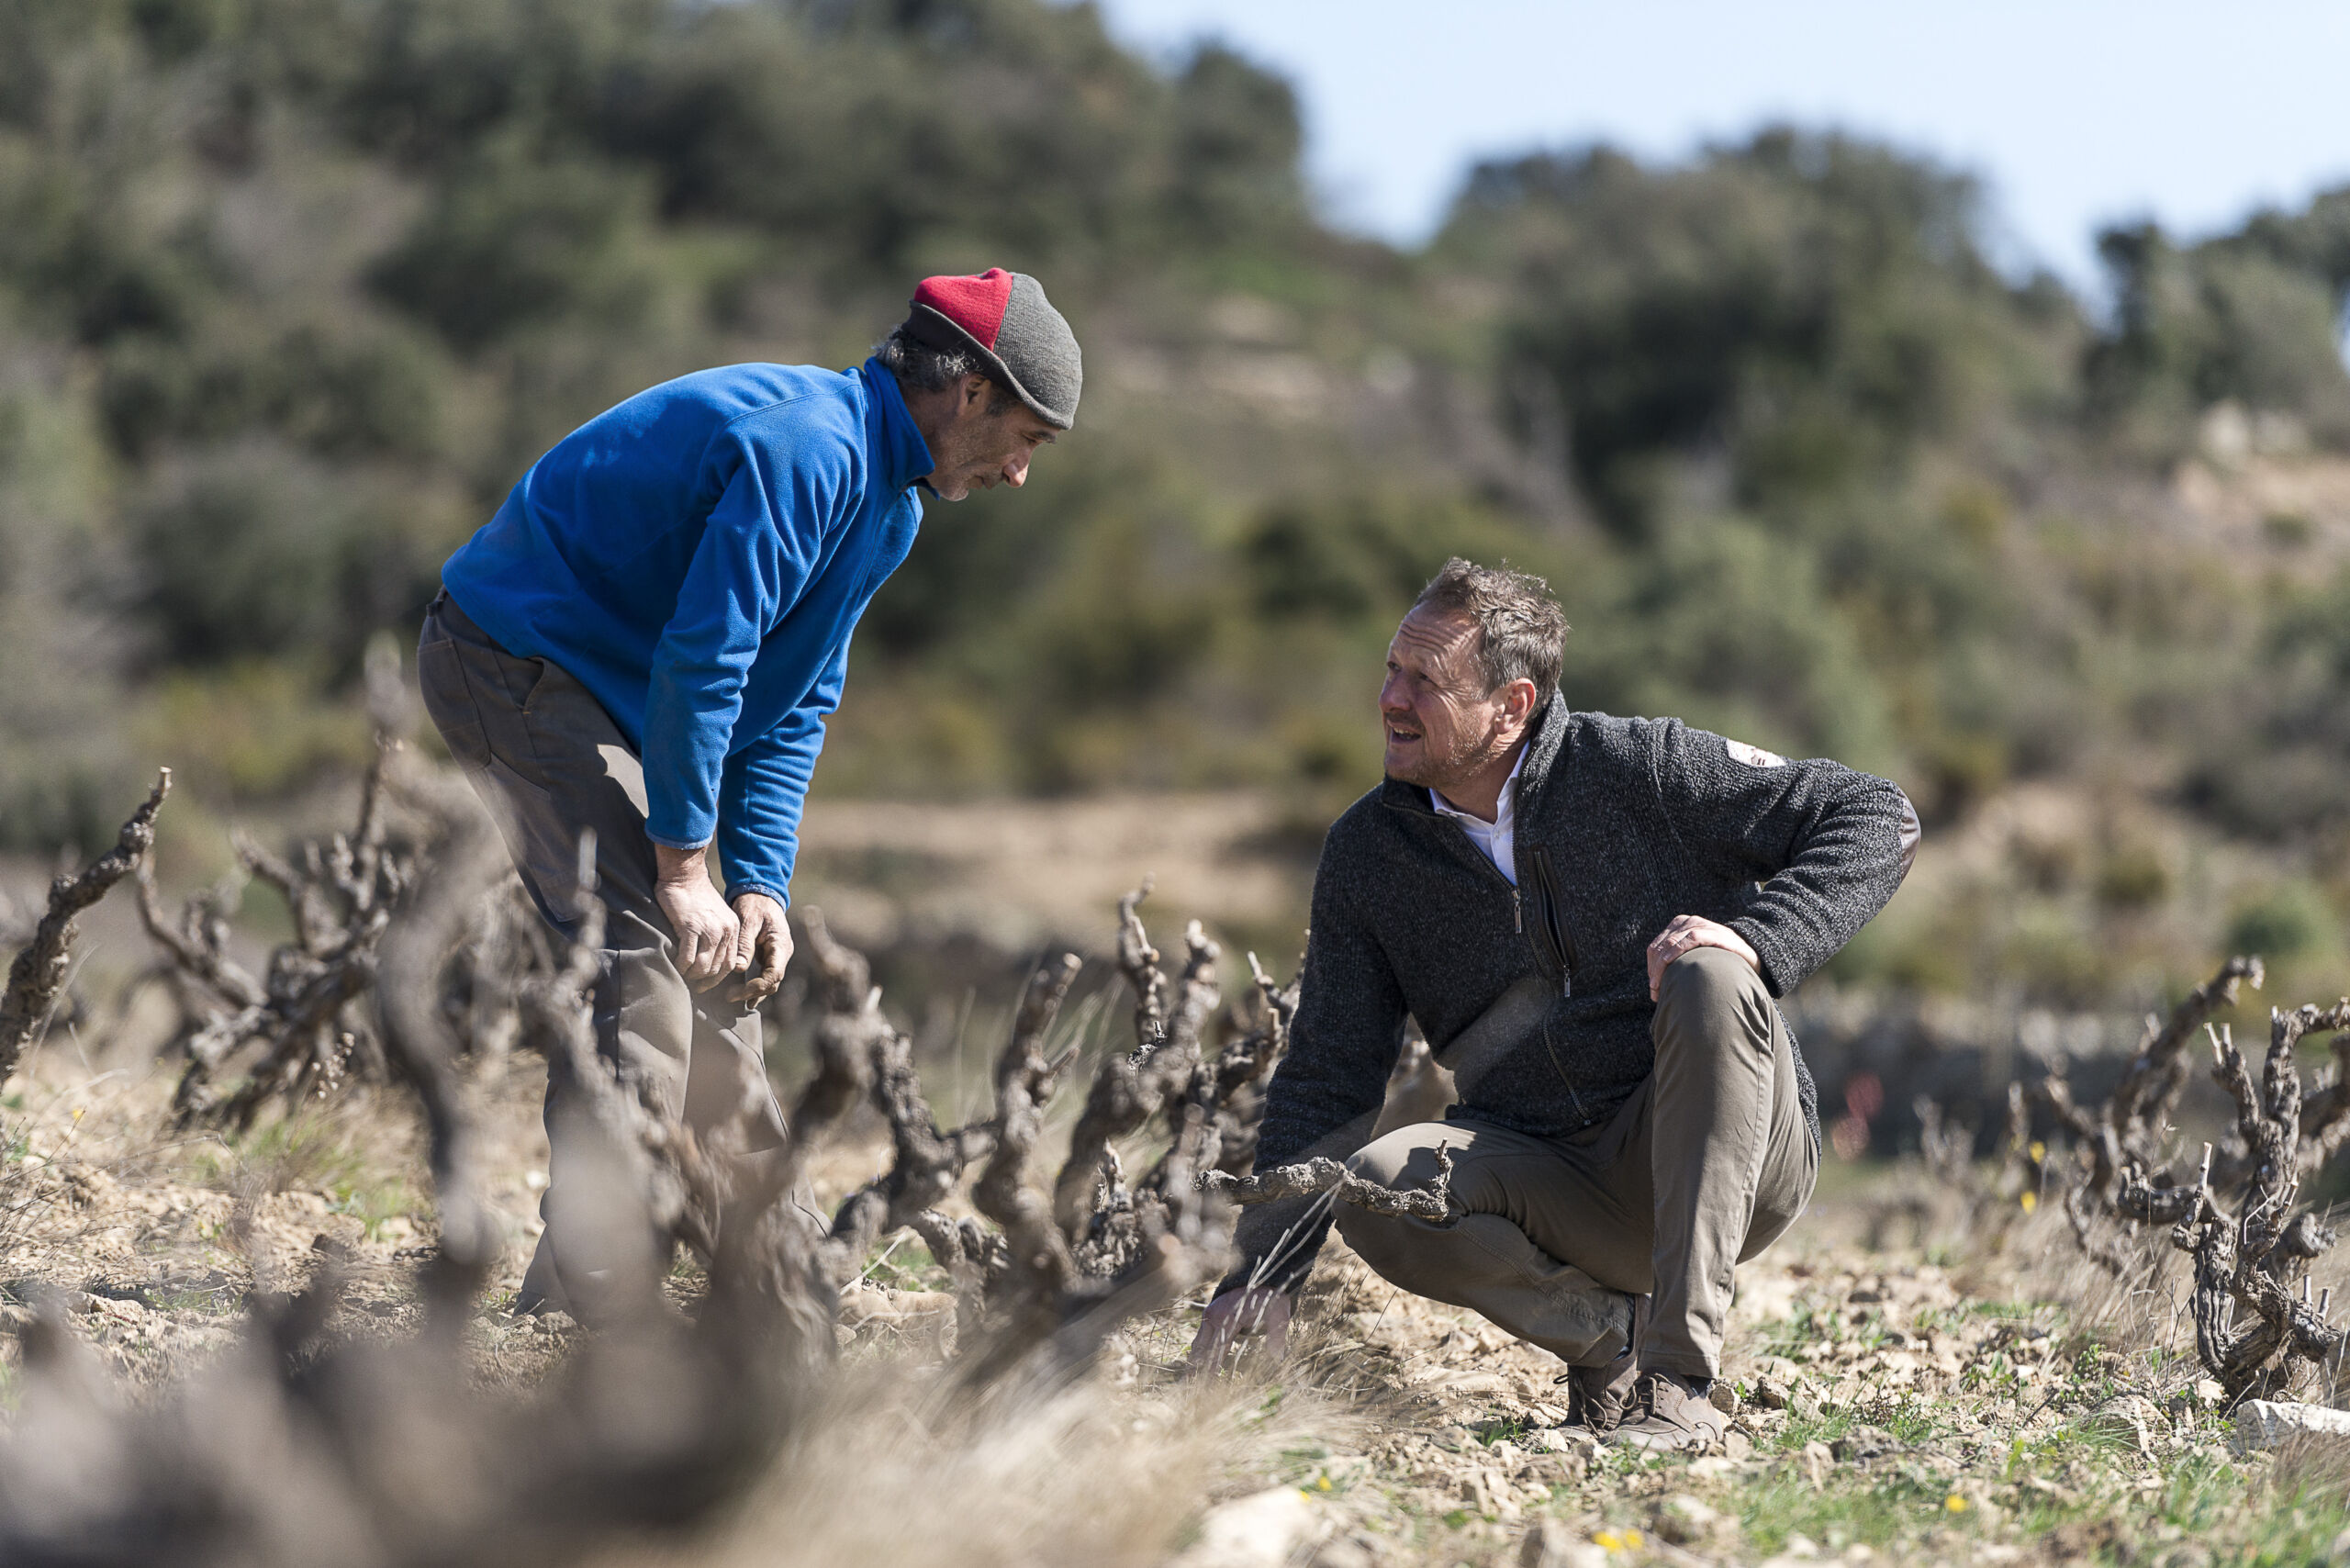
x,y
643,642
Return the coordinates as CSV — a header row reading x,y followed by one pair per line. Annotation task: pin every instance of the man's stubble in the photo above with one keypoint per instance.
x,y
1471,757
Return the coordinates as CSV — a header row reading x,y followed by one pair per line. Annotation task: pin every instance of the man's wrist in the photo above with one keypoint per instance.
x,y
1290,1282
672,865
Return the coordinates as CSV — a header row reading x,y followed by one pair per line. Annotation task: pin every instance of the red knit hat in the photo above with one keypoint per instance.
x,y
1004,318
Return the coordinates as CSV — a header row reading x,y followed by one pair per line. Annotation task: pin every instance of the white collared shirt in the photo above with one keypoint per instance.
x,y
1497,838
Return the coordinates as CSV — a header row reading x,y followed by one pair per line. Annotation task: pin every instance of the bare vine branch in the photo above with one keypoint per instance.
x,y
1312,1178
38,975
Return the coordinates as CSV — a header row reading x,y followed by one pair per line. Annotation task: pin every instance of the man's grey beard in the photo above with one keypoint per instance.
x,y
1442,773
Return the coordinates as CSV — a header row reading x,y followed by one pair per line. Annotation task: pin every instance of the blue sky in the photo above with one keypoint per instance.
x,y
2074,112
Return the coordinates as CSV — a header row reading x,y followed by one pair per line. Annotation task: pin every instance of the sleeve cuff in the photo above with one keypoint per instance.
x,y
665,842
736,890
1767,950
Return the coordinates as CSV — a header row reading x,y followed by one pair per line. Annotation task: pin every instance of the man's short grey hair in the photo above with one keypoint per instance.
x,y
1522,631
921,367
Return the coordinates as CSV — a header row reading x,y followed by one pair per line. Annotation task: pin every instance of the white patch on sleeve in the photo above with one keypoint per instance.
x,y
1754,755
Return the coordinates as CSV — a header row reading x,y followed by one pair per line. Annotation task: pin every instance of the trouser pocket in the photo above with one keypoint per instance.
x,y
475,693
448,701
477,684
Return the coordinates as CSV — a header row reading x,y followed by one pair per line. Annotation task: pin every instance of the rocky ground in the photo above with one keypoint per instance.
x,y
1915,1375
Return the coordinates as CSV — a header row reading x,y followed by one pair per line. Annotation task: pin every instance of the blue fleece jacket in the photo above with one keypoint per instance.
x,y
698,558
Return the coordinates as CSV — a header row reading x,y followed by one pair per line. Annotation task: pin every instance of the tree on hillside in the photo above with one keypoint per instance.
x,y
1801,311
2255,318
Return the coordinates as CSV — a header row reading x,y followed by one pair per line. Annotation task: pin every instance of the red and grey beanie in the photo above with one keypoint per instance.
x,y
1005,320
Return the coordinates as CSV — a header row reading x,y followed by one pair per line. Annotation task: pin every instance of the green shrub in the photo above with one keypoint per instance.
x,y
511,243
2283,923
2133,876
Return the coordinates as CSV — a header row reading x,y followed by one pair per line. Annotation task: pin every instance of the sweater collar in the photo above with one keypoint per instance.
x,y
905,456
1543,749
1544,744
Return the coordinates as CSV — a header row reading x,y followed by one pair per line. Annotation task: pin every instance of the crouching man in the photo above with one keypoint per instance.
x,y
1589,916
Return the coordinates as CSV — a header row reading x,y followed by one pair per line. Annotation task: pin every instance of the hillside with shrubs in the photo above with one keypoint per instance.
x,y
291,291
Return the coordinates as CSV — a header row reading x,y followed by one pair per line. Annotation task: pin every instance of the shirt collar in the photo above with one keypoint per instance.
x,y
905,456
1504,807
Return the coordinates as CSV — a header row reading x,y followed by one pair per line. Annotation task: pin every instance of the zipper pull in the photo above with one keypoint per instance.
x,y
1517,914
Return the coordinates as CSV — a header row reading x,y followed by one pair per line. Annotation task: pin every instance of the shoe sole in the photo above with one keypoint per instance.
x,y
1660,1442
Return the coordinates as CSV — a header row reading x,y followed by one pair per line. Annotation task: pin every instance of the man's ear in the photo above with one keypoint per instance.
x,y
975,393
1519,702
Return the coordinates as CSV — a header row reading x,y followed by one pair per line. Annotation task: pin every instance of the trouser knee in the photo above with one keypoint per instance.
x,y
1404,1159
1385,1243
1707,989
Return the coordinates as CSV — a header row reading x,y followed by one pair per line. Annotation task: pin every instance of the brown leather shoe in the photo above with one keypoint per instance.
x,y
1669,1415
1599,1396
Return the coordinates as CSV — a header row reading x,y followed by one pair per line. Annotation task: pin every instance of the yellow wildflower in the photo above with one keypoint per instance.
x,y
1954,1503
2030,1200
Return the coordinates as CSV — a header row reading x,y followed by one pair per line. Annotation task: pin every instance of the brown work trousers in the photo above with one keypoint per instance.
x,y
549,763
1707,1164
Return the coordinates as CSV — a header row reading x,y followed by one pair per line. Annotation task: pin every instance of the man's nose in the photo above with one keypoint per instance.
x,y
1391,696
1016,472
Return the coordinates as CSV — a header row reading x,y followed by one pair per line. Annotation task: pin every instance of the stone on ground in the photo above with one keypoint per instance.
x,y
1263,1529
2264,1424
1552,1544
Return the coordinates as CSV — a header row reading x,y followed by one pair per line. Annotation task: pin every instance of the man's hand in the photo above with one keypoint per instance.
x,y
1689,931
1238,1315
708,931
763,947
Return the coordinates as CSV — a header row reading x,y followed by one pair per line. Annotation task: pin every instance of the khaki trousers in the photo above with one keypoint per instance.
x,y
549,763
1707,1165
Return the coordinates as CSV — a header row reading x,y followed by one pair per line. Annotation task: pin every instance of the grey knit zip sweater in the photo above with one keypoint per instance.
x,y
1622,824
